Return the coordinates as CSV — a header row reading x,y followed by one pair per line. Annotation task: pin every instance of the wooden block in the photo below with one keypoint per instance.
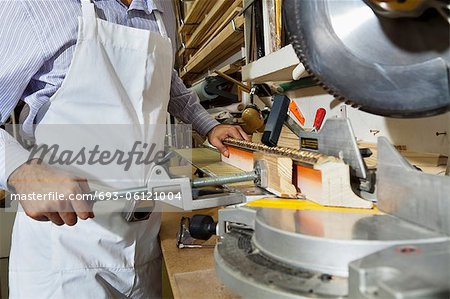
x,y
279,175
329,184
279,169
288,139
240,158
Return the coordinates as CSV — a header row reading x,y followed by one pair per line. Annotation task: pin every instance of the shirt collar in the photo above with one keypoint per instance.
x,y
146,5
155,5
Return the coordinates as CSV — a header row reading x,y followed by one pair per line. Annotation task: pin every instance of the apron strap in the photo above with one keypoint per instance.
x,y
89,20
88,9
159,21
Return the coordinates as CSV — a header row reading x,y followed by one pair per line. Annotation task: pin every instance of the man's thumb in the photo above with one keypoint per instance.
x,y
221,147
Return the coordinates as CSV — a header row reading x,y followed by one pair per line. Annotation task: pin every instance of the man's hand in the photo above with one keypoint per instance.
x,y
220,132
39,178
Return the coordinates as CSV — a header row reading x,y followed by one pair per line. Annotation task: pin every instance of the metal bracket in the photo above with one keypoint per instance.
x,y
235,29
190,199
412,195
336,138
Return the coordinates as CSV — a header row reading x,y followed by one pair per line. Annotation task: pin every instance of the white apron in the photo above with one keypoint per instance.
x,y
118,75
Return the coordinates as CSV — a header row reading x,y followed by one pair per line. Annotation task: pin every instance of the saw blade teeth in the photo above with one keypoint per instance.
x,y
299,45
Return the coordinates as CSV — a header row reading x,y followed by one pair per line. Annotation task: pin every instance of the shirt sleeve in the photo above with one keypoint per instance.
x,y
12,155
20,58
185,105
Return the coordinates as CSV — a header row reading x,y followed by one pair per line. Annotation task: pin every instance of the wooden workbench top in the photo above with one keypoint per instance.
x,y
190,271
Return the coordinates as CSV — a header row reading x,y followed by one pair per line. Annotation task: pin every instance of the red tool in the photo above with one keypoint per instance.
x,y
318,120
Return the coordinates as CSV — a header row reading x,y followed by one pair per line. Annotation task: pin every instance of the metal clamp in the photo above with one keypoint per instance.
x,y
235,29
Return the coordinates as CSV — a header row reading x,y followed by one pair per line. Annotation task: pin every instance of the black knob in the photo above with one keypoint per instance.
x,y
202,227
365,152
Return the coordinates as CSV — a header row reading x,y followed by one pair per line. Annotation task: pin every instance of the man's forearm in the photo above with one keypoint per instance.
x,y
12,155
185,105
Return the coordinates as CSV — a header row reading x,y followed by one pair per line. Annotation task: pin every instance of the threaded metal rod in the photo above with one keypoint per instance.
x,y
196,183
223,180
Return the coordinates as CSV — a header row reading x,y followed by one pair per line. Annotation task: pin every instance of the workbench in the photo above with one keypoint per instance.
x,y
189,271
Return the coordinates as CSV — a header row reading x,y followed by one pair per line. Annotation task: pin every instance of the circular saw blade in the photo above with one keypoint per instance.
x,y
396,67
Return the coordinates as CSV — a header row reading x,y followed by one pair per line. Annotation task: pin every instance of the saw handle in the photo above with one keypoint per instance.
x,y
276,119
318,120
297,113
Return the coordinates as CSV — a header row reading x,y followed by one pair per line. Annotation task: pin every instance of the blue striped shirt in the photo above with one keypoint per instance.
x,y
37,42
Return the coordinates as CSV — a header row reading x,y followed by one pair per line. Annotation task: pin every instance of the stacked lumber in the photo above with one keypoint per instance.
x,y
195,14
212,31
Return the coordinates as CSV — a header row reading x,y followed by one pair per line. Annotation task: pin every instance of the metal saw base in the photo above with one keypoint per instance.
x,y
282,253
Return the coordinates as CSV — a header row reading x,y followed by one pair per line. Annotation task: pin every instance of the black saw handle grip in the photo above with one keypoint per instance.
x,y
275,121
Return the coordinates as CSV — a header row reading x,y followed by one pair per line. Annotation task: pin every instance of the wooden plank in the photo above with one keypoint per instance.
x,y
199,157
220,25
277,66
231,68
326,183
225,43
209,161
239,158
211,18
195,15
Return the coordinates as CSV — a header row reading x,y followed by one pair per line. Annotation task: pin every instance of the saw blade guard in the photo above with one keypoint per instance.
x,y
385,65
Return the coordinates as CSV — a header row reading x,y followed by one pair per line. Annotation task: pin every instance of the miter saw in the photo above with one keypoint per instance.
x,y
389,58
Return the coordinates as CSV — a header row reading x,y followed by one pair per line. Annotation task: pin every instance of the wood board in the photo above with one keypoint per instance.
x,y
209,161
326,183
225,43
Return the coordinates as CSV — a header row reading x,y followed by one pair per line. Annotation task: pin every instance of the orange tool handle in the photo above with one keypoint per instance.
x,y
296,112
